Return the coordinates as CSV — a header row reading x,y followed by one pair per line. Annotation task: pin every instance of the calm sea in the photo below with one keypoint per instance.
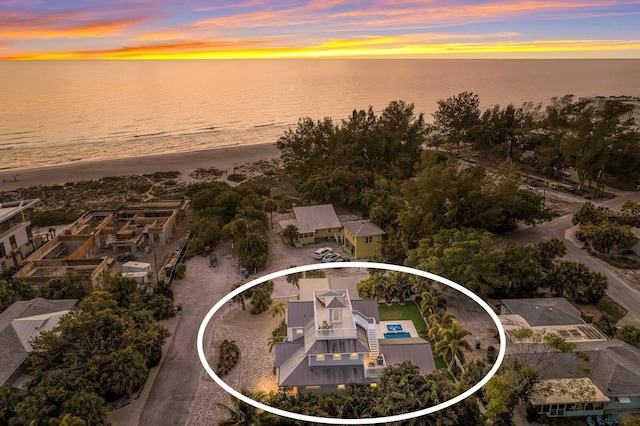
x,y
60,112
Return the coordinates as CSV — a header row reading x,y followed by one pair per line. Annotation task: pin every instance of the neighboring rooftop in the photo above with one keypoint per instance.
x,y
12,208
543,311
20,323
312,218
363,228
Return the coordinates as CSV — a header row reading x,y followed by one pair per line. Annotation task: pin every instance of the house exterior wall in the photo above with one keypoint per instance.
x,y
360,248
329,361
21,247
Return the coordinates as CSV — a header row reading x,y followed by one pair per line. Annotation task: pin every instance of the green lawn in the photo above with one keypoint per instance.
x,y
440,362
408,311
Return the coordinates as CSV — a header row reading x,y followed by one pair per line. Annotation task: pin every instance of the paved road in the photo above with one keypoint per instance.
x,y
171,396
558,228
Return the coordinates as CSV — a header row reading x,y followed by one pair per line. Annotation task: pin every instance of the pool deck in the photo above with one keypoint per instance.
x,y
407,327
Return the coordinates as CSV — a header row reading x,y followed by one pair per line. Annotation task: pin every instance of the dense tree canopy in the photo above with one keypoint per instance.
x,y
336,162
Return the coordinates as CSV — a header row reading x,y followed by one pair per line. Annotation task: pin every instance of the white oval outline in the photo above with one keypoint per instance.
x,y
330,420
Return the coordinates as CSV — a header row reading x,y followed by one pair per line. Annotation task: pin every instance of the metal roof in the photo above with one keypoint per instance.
x,y
363,228
313,218
12,348
415,350
299,313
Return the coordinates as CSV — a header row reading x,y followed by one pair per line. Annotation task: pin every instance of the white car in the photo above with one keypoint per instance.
x,y
331,257
322,252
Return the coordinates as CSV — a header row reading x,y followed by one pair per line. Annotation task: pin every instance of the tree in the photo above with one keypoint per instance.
x,y
261,297
437,323
277,309
455,119
71,286
243,414
239,298
500,401
432,303
576,281
607,236
181,270
468,257
270,205
13,291
294,278
452,344
290,233
629,334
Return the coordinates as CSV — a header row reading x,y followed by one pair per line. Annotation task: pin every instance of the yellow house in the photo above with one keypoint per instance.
x,y
314,223
362,238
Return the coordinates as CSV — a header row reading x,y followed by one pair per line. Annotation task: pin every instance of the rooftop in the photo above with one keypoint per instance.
x,y
544,311
363,228
312,218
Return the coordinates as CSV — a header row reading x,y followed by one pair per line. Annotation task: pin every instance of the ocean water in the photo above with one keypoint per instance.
x,y
61,112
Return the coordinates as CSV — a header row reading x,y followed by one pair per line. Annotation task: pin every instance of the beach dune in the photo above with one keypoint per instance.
x,y
225,158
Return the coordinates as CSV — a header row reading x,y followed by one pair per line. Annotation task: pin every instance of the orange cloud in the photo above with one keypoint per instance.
x,y
154,51
92,29
430,13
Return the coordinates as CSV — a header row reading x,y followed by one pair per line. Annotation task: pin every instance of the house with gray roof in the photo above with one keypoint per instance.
x,y
314,223
608,370
19,324
334,341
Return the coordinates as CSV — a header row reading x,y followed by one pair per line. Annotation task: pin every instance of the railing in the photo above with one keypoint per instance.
x,y
335,333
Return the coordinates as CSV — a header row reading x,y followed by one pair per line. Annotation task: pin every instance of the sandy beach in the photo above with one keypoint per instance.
x,y
225,158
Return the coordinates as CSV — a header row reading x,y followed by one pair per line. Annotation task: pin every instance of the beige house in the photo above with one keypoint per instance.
x,y
314,223
362,238
16,240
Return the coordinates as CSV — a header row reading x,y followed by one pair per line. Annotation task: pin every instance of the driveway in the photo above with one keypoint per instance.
x,y
562,228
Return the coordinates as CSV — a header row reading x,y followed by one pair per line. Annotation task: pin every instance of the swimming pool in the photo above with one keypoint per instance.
x,y
394,327
397,335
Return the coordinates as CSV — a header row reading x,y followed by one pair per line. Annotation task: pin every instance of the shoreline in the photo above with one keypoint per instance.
x,y
185,162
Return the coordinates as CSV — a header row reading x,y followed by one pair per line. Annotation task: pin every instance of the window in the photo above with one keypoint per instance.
x,y
336,315
12,241
319,357
3,253
353,356
337,357
374,385
368,240
340,387
299,330
312,387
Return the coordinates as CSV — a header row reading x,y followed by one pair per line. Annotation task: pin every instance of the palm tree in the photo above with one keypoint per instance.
x,y
270,205
432,302
437,323
294,278
452,344
277,309
239,298
243,414
290,233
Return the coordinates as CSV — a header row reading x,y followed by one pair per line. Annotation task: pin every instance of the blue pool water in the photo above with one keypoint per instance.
x,y
396,335
394,327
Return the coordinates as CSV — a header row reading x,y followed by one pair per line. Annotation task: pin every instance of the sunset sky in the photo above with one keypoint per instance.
x,y
226,29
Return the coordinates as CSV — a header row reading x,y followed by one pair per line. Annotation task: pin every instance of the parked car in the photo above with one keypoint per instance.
x,y
322,252
331,257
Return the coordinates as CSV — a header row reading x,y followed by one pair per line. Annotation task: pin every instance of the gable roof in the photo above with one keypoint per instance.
x,y
545,311
363,228
18,326
312,218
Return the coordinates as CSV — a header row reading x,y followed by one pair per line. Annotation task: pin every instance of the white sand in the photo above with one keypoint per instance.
x,y
220,158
